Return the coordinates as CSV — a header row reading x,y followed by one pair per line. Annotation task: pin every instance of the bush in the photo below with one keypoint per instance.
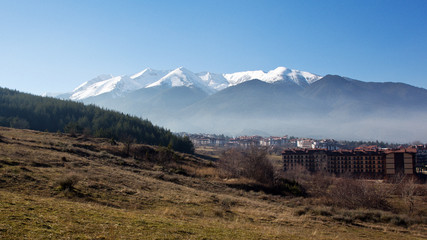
x,y
351,216
67,183
282,185
316,184
302,211
143,152
165,155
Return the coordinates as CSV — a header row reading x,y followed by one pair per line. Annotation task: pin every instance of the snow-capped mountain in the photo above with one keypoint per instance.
x,y
182,77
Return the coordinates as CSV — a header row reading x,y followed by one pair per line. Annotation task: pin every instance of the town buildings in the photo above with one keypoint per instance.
x,y
242,141
248,141
328,155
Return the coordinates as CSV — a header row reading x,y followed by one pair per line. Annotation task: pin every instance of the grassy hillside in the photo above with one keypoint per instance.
x,y
55,186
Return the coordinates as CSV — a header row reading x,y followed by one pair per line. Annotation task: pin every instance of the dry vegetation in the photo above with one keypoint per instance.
x,y
54,186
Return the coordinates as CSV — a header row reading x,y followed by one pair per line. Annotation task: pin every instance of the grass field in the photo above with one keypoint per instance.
x,y
114,196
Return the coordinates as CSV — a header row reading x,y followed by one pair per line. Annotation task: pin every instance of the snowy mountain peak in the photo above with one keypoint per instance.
x,y
182,77
280,69
148,76
100,78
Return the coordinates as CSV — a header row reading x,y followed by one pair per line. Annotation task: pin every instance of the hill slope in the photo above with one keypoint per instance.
x,y
156,194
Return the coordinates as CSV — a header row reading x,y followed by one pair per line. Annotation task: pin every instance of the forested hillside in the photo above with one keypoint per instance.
x,y
20,110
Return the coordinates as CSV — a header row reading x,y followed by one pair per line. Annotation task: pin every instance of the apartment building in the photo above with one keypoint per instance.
x,y
371,163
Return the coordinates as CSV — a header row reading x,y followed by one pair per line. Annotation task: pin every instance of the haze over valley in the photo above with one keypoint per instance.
x,y
276,102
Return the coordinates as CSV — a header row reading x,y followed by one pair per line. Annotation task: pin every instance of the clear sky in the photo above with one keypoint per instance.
x,y
55,45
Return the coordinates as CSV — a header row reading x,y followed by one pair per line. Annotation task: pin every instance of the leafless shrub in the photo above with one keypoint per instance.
x,y
128,141
320,184
259,166
352,193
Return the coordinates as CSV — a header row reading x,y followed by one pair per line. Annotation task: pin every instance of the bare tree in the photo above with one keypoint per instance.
x,y
252,164
231,163
408,189
128,142
299,173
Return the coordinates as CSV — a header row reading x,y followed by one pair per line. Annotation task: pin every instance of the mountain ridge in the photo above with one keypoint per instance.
x,y
207,81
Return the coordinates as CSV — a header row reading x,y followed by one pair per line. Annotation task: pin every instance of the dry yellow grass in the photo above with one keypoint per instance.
x,y
120,197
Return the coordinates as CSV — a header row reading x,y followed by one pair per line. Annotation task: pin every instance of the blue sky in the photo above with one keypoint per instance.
x,y
53,46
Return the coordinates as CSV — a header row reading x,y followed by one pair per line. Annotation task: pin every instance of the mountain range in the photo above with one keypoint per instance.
x,y
181,77
277,102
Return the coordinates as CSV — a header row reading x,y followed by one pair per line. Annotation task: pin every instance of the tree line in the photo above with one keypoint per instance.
x,y
21,110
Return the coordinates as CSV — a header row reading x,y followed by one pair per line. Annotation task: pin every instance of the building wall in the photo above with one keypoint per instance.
x,y
390,165
408,161
310,160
